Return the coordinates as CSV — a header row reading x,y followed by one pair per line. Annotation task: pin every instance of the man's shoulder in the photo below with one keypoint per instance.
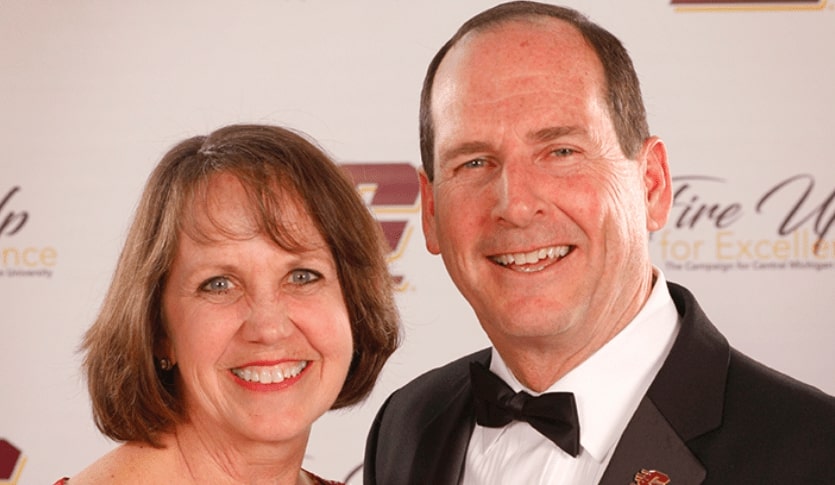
x,y
422,429
776,422
748,380
785,398
745,399
443,380
434,392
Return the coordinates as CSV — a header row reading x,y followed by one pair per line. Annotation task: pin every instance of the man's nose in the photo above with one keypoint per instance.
x,y
518,189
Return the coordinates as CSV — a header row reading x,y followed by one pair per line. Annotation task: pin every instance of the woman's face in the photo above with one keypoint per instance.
x,y
260,335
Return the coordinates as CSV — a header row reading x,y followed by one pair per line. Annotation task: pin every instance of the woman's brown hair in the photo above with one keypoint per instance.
x,y
134,400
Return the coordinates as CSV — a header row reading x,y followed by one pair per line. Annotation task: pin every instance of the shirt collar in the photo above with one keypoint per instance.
x,y
606,389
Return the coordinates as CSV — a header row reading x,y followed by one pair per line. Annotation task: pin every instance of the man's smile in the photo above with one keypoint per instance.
x,y
530,261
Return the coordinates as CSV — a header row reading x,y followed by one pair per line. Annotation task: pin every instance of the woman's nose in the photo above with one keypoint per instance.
x,y
268,320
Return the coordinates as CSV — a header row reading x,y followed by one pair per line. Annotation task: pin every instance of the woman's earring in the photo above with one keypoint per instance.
x,y
165,364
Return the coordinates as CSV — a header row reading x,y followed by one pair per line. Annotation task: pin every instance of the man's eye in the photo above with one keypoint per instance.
x,y
564,152
218,284
304,276
477,163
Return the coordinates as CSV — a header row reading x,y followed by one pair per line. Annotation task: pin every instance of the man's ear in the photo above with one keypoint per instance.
x,y
657,182
427,212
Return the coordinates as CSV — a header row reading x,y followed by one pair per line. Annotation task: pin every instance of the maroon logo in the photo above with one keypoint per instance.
x,y
650,477
11,462
736,2
391,191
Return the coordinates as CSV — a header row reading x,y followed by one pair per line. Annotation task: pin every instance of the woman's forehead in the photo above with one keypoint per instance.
x,y
225,207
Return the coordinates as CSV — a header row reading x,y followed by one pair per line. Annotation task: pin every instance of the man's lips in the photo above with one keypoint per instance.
x,y
270,374
535,260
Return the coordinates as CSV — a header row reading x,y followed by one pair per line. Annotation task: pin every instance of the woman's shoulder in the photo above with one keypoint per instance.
x,y
127,463
317,480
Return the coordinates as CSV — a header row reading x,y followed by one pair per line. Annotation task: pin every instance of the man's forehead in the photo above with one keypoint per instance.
x,y
530,50
519,51
531,32
514,46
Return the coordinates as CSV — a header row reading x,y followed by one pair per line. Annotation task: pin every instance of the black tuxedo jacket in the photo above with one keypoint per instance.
x,y
711,416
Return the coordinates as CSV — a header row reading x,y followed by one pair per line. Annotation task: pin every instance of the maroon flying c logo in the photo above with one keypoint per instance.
x,y
727,2
650,477
11,462
394,190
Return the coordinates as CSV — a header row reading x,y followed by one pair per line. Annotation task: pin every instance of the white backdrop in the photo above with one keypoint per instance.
x,y
92,93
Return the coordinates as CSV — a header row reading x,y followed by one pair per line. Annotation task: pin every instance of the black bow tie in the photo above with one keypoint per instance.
x,y
553,414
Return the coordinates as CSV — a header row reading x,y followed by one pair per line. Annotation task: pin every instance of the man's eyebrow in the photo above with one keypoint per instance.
x,y
553,132
465,148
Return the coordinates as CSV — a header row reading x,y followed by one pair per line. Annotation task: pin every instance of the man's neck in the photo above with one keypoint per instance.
x,y
540,362
538,367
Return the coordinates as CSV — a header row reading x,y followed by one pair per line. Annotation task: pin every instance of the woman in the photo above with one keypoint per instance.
x,y
251,296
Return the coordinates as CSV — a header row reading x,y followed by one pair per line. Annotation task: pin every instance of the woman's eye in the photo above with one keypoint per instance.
x,y
304,276
218,284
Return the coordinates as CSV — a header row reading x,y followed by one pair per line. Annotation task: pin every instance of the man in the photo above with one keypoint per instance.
x,y
540,186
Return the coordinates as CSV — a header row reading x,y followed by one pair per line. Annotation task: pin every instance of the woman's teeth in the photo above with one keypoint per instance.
x,y
271,374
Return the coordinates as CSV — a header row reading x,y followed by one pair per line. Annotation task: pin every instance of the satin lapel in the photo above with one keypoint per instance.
x,y
650,443
443,445
670,415
698,360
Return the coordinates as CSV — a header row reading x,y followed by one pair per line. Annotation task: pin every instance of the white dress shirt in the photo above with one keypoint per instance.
x,y
607,388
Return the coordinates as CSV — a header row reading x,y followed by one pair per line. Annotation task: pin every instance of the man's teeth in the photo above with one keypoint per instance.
x,y
532,257
271,374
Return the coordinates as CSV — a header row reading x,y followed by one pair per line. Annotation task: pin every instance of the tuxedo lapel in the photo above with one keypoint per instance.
x,y
671,414
442,448
443,445
698,361
650,443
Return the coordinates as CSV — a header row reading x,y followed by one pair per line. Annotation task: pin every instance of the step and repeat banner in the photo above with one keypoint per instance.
x,y
93,92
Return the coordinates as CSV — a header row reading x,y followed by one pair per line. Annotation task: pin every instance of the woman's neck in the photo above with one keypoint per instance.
x,y
212,457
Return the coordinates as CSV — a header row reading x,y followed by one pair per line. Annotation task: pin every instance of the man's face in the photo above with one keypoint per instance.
x,y
540,219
